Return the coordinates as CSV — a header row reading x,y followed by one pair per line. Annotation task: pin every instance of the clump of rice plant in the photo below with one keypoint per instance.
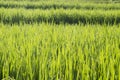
x,y
59,52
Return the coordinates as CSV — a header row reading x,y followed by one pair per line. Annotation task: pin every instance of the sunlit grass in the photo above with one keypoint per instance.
x,y
60,52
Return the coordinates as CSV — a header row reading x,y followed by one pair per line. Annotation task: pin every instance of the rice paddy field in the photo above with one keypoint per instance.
x,y
59,40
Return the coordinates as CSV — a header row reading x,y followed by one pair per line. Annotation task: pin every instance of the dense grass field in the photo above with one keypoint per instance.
x,y
71,16
59,4
59,40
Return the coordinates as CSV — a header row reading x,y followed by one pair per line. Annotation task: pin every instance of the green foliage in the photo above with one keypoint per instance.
x,y
59,40
57,5
71,16
53,52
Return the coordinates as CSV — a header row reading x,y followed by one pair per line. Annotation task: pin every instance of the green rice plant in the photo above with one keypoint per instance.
x,y
69,16
59,4
59,52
